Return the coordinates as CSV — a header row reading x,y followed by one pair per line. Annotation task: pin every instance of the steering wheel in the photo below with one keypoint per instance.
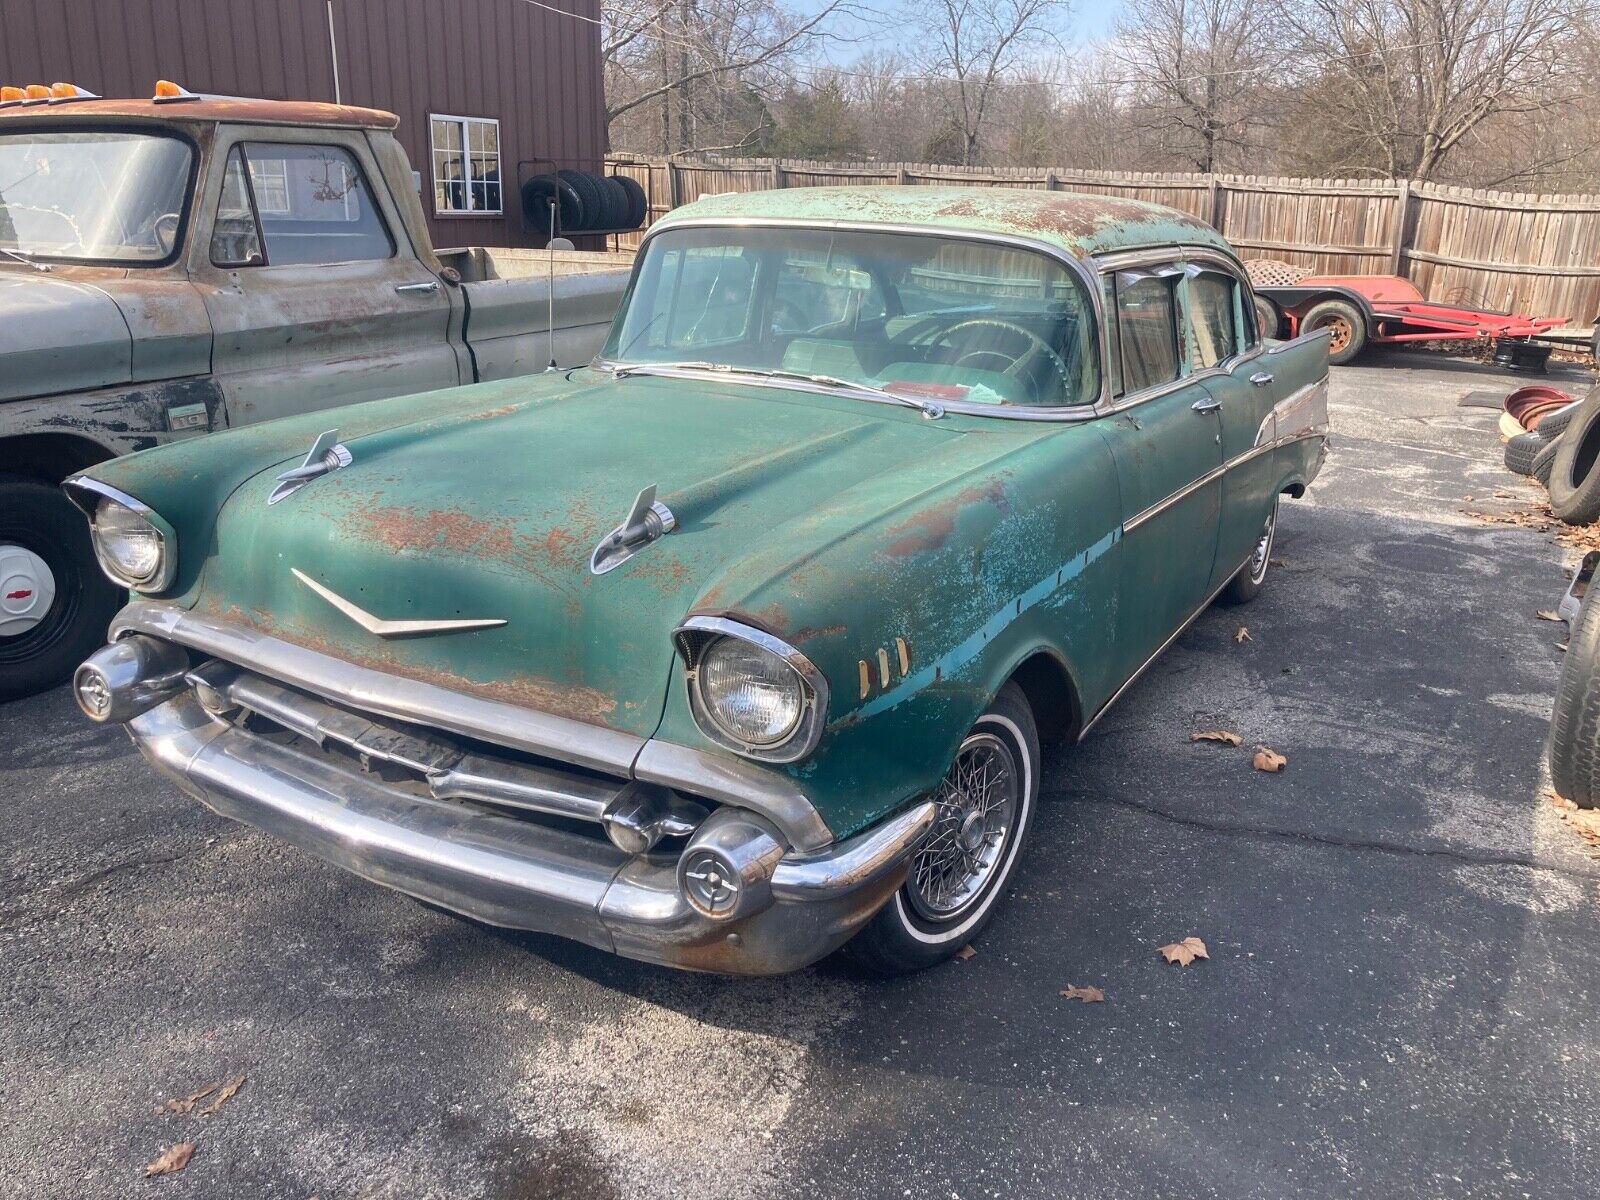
x,y
165,231
1014,366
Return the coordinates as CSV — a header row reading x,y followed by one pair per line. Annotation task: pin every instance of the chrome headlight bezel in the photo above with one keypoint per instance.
x,y
94,497
698,634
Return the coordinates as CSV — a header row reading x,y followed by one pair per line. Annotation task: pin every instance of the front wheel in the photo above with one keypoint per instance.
x,y
958,874
1246,585
54,602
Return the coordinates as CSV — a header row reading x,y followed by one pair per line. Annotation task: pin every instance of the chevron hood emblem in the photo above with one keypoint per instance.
x,y
388,629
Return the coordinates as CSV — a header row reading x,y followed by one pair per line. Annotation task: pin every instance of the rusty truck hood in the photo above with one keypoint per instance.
x,y
59,336
490,508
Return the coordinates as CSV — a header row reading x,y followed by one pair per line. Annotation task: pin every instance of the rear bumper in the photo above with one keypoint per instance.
x,y
521,874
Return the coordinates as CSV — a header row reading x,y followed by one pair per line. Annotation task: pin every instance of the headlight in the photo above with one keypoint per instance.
x,y
131,549
750,691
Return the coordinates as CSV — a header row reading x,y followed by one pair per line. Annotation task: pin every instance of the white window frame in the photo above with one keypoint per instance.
x,y
465,124
277,175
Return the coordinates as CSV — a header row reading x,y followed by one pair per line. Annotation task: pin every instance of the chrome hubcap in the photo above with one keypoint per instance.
x,y
977,810
27,590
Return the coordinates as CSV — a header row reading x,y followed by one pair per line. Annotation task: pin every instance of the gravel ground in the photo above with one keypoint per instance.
x,y
1401,997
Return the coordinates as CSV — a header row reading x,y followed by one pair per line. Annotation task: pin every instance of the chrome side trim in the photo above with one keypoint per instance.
x,y
1183,493
696,632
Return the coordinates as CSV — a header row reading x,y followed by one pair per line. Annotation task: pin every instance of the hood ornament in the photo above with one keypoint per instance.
x,y
647,521
380,627
327,454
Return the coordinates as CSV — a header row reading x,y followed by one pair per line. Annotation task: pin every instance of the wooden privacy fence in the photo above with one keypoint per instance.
x,y
1495,250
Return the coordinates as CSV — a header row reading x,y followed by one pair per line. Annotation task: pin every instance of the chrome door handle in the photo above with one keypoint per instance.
x,y
418,289
1206,404
1261,379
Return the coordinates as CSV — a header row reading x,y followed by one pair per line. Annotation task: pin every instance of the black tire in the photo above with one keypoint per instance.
x,y
1575,471
615,202
1545,460
39,519
1523,449
1268,317
638,203
1594,342
1346,325
1246,585
1575,719
1555,424
903,937
588,189
536,196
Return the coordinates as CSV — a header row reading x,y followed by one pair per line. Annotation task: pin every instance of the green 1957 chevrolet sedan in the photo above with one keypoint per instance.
x,y
741,642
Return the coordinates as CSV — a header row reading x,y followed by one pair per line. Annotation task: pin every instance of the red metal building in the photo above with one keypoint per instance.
x,y
488,92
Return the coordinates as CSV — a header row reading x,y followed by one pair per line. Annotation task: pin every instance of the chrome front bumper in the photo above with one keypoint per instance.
x,y
772,909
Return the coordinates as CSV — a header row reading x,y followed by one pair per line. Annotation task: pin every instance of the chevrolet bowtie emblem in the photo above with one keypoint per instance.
x,y
380,627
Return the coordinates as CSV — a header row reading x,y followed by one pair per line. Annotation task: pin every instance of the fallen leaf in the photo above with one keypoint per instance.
x,y
175,1159
1561,646
1560,801
228,1092
1243,635
965,953
1468,499
188,1102
1227,737
1269,761
1088,994
1544,614
1185,952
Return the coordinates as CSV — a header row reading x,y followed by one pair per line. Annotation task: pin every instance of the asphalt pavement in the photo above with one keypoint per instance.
x,y
1401,997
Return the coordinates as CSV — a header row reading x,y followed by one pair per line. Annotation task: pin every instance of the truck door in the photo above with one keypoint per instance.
x,y
315,291
1169,457
1225,353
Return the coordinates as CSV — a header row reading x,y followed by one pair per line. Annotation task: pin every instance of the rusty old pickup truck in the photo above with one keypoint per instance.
x,y
179,264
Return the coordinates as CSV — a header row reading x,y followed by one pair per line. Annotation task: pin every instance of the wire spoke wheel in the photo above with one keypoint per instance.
x,y
1262,554
978,804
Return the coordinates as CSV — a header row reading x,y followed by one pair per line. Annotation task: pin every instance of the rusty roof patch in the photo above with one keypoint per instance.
x,y
238,109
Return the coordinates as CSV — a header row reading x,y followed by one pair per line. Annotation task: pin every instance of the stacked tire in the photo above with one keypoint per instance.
x,y
1533,453
585,202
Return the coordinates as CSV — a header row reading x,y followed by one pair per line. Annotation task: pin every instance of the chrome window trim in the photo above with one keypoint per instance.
x,y
813,718
81,488
1087,278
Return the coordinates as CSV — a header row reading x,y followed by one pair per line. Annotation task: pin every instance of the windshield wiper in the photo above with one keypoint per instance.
x,y
24,259
927,408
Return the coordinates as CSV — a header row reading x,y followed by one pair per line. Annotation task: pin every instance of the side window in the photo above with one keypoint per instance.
x,y
1213,316
235,236
313,205
1147,325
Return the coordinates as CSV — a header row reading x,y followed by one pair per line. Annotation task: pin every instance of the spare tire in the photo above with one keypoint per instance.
x,y
1522,450
1575,718
1544,460
537,194
588,189
638,205
1575,470
616,202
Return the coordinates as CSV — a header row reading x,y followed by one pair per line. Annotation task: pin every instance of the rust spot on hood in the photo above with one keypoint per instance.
x,y
930,528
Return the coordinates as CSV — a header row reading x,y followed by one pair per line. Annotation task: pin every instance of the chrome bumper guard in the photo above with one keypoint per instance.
x,y
735,899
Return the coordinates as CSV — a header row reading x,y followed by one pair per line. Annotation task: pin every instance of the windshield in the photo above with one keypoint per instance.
x,y
104,197
927,317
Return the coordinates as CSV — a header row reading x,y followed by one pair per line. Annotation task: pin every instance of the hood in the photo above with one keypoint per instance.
x,y
59,336
490,511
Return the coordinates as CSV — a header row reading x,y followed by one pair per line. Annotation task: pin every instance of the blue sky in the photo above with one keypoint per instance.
x,y
1090,21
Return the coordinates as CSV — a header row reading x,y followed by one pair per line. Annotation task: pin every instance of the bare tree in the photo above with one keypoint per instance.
x,y
1197,66
709,63
973,44
1405,81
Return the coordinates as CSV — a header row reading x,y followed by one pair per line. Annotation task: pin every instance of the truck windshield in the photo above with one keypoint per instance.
x,y
108,196
926,317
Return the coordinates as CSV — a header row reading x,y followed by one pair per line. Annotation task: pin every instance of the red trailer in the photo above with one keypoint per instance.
x,y
1361,309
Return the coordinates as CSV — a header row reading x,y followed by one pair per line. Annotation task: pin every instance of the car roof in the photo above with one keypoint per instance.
x,y
1078,223
238,109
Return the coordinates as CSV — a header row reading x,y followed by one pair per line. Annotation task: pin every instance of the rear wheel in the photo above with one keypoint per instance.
x,y
961,870
1246,585
1347,328
54,602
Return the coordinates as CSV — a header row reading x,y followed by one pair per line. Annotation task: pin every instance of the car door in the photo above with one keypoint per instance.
x,y
315,291
1165,440
1225,355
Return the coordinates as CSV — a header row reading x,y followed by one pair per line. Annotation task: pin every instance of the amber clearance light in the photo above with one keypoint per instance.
x,y
167,91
